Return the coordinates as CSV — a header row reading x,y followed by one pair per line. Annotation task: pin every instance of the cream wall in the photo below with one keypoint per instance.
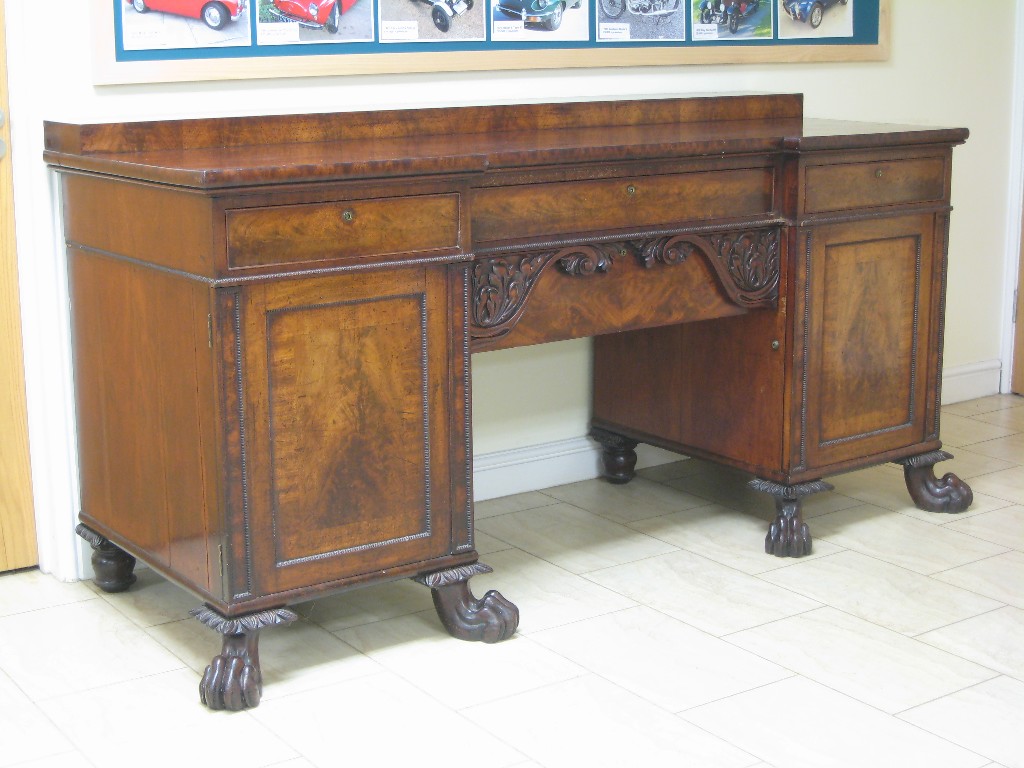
x,y
943,70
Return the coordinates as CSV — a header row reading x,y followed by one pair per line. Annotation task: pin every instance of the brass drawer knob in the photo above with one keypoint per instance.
x,y
630,190
348,215
878,173
775,344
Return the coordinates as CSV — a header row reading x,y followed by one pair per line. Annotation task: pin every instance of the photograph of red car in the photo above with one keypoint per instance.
x,y
325,14
285,22
214,13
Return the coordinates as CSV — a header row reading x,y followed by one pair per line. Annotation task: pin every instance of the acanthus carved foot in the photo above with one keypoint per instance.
x,y
114,568
233,680
618,457
489,619
930,493
788,534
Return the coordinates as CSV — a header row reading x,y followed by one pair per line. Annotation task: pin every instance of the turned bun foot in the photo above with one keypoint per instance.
x,y
114,568
618,457
930,493
489,619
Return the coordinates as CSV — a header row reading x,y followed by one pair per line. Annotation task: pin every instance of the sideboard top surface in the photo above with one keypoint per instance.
x,y
216,153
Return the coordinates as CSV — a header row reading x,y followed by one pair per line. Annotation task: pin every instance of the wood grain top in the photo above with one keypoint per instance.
x,y
214,153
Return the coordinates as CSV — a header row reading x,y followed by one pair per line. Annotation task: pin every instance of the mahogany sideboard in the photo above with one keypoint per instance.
x,y
273,319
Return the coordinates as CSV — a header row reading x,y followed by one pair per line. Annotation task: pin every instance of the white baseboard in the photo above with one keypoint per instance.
x,y
971,381
503,473
534,467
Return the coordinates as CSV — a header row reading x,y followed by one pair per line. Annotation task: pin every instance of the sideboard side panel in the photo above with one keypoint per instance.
x,y
142,374
160,225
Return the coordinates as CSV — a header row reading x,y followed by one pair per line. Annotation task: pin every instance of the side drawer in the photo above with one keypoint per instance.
x,y
870,184
351,229
561,208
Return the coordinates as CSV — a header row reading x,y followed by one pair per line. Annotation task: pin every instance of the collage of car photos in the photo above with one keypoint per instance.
x,y
151,25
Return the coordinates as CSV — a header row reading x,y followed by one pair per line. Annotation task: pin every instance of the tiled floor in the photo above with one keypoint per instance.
x,y
655,632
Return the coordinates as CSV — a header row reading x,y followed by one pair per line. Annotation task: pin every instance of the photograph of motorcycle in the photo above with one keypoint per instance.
x,y
731,13
647,19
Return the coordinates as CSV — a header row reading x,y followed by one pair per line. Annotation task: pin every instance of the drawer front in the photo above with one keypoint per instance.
x,y
866,185
562,208
354,229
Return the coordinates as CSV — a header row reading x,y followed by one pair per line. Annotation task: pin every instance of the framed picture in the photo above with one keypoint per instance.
x,y
138,41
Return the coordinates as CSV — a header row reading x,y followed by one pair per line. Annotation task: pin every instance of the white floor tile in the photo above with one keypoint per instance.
x,y
728,487
75,647
65,760
967,464
379,720
791,662
1005,484
634,500
985,719
160,720
797,723
591,722
27,732
516,503
572,538
992,639
546,595
901,540
1011,418
153,600
724,535
874,665
962,431
1001,526
485,544
884,594
293,657
417,649
884,486
366,605
673,470
1006,448
984,405
23,591
659,658
1000,577
704,594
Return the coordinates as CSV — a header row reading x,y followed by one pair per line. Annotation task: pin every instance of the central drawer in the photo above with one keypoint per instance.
x,y
350,229
562,208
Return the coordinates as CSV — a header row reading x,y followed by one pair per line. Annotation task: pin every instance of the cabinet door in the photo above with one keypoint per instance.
x,y
871,356
344,428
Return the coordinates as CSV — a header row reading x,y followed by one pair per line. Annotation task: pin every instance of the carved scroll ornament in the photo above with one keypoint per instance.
x,y
746,263
501,284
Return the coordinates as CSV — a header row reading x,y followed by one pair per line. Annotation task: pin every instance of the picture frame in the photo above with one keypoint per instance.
x,y
114,63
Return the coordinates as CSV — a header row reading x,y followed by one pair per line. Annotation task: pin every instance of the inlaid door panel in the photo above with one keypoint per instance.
x,y
870,295
346,427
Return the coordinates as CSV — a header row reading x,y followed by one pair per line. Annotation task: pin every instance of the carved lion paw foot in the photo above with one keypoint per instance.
x,y
946,494
231,683
788,537
490,619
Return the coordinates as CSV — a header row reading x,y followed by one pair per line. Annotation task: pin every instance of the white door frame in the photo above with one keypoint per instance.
x,y
1014,205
